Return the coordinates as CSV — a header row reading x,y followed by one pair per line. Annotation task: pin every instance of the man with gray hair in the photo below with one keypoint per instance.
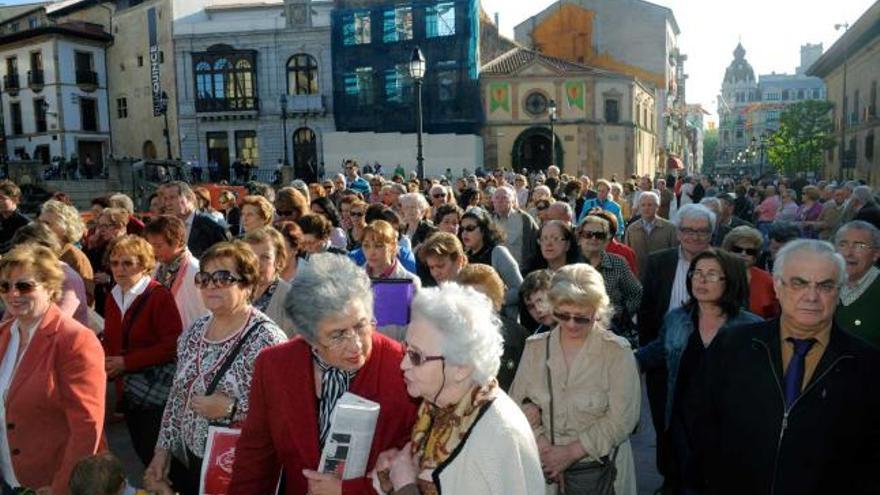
x,y
859,244
864,206
202,231
649,233
664,283
809,391
559,210
522,230
297,385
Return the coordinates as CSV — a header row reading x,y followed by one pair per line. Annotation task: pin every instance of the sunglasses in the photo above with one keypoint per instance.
x,y
22,286
740,250
417,358
542,207
123,263
469,228
580,320
438,196
284,213
220,279
599,236
357,213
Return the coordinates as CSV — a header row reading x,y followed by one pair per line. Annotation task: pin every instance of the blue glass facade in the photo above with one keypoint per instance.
x,y
372,43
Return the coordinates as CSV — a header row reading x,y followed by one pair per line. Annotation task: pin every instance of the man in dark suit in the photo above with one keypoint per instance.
x,y
726,219
790,406
665,288
202,231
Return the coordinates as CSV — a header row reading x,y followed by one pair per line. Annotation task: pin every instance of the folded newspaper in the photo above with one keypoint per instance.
x,y
348,444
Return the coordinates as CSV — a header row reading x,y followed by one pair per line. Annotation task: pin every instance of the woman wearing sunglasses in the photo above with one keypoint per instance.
x,y
717,287
621,285
297,385
51,377
482,240
470,438
579,387
215,364
141,327
746,242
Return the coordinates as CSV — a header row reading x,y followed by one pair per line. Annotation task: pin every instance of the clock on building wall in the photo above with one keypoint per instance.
x,y
536,103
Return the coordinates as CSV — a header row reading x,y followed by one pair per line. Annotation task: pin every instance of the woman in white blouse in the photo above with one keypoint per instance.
x,y
205,390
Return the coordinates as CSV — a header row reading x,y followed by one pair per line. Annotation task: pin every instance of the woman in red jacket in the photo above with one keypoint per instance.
x,y
296,385
745,242
141,327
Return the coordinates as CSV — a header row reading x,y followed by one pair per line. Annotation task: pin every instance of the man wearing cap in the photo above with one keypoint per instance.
x,y
790,406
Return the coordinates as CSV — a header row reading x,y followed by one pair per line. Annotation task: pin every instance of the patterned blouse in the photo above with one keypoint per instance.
x,y
198,360
625,292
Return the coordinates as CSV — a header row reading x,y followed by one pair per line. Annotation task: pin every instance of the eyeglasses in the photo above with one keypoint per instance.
x,y
856,246
357,214
580,320
341,337
741,250
284,213
469,228
417,358
798,284
123,263
687,232
589,234
23,287
220,279
711,277
438,195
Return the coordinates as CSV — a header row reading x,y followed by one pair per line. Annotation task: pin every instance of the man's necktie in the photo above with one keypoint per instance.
x,y
794,375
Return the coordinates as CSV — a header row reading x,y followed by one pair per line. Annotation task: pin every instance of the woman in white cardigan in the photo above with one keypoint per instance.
x,y
470,437
270,292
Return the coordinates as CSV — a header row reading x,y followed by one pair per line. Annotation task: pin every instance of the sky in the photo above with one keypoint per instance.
x,y
771,31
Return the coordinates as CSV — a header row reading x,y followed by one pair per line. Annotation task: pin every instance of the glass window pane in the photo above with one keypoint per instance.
x,y
440,19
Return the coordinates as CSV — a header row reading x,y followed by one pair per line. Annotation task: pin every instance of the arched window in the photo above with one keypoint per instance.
x,y
302,75
225,79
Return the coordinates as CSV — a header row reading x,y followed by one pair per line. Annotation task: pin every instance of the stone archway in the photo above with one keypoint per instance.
x,y
531,150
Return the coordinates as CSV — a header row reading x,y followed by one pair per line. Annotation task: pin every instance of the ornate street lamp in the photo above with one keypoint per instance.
x,y
283,101
417,73
163,101
551,109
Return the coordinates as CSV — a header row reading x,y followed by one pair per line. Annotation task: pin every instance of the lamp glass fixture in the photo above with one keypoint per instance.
x,y
417,64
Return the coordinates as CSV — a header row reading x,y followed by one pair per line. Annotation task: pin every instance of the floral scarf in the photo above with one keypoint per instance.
x,y
439,431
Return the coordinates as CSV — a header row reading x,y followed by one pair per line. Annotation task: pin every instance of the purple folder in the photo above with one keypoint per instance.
x,y
392,298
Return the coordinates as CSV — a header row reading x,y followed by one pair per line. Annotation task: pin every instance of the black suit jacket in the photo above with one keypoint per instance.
x,y
657,289
827,442
205,233
870,214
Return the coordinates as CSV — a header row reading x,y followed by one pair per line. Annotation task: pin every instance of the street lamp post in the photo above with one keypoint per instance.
x,y
164,102
417,72
283,101
843,109
551,109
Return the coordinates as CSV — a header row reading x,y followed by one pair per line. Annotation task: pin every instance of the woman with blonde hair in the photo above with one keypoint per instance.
x,y
579,387
256,212
69,228
271,291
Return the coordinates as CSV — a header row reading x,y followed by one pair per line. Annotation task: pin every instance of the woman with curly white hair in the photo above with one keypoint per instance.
x,y
579,387
469,436
65,221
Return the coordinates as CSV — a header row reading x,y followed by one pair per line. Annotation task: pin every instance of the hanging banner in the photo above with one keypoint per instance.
x,y
574,93
155,84
499,97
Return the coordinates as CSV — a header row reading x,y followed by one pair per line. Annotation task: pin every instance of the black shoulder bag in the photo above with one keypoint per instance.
x,y
583,478
147,388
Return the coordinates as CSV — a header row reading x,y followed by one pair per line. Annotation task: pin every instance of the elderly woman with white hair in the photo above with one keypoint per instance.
x,y
413,208
297,385
67,224
579,386
470,437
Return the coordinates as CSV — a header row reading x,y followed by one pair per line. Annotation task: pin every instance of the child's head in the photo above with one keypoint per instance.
x,y
100,474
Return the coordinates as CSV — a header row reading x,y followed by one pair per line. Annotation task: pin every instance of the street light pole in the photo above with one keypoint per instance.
x,y
417,72
164,102
283,101
843,108
551,109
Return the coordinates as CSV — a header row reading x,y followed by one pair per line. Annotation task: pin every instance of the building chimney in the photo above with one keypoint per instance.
x,y
496,21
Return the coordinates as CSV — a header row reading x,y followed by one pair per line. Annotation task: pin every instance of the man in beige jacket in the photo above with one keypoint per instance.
x,y
649,233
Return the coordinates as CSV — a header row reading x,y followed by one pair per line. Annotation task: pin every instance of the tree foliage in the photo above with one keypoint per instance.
x,y
710,149
805,133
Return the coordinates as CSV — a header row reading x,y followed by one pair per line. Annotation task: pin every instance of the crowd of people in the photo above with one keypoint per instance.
x,y
540,304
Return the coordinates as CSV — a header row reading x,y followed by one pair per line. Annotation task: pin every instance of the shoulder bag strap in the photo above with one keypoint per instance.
x,y
140,302
227,363
550,389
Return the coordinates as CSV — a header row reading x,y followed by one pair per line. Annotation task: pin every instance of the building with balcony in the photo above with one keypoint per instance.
x,y
854,58
54,100
254,83
374,98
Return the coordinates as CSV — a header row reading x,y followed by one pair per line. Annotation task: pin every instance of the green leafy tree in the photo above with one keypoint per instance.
x,y
710,149
805,133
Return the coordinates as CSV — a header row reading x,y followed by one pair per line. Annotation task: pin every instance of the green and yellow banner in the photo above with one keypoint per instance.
x,y
499,96
574,93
